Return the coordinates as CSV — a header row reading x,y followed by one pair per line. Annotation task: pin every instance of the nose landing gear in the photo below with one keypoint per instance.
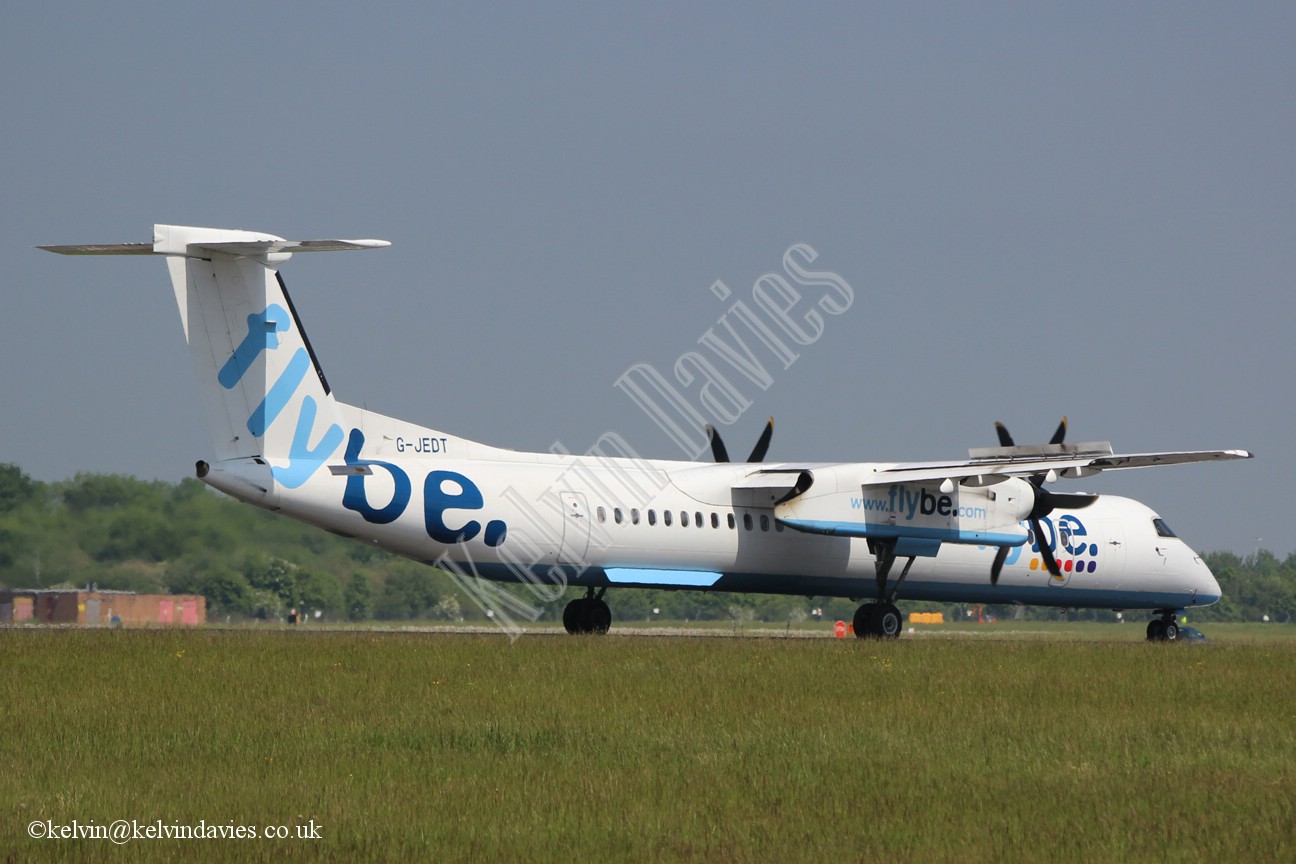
x,y
1163,629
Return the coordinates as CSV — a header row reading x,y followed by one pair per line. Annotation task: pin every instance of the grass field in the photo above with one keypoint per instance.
x,y
467,747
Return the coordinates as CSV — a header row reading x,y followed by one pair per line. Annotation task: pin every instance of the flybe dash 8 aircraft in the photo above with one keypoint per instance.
x,y
985,529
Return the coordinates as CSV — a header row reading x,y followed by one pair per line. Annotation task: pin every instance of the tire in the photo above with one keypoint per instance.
x,y
885,621
1171,631
1156,630
596,617
861,620
572,615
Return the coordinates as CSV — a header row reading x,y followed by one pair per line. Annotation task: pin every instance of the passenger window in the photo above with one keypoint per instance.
x,y
634,516
666,518
731,521
683,518
778,526
652,517
602,514
697,519
715,521
1162,529
747,521
616,515
764,522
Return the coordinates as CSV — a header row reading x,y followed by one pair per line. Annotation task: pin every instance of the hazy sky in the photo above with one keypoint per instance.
x,y
1043,209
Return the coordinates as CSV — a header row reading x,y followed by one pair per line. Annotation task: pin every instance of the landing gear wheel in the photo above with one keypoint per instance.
x,y
587,615
572,615
1163,629
861,620
877,621
595,617
885,621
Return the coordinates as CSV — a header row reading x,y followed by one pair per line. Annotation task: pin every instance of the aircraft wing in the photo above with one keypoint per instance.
x,y
775,484
993,464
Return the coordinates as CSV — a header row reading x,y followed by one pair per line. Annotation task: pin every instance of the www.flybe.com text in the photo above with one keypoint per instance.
x,y
908,503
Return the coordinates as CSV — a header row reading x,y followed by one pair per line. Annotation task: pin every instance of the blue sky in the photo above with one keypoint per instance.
x,y
1080,209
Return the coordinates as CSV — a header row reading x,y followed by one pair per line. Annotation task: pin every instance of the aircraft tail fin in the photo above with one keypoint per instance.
x,y
265,394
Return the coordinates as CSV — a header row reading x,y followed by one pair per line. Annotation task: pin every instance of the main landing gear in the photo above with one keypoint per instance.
x,y
588,614
1163,629
881,620
878,621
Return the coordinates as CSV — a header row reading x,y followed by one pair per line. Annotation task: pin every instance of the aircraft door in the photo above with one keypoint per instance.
x,y
576,529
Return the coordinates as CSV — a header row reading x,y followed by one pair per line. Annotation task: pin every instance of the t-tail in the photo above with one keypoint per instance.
x,y
268,403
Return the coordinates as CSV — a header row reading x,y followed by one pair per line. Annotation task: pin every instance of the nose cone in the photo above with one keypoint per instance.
x,y
1207,590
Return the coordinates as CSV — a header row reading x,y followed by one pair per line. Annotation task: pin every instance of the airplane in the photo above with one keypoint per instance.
x,y
985,529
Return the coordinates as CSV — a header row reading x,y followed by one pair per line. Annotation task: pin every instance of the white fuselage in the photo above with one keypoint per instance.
x,y
549,521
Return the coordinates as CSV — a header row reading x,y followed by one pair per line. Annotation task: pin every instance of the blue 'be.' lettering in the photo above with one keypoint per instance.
x,y
354,497
450,490
442,491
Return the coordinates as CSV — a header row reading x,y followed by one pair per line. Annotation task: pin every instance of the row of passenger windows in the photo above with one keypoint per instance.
x,y
686,518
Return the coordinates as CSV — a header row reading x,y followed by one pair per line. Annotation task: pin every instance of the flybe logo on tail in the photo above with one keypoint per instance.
x,y
262,337
442,490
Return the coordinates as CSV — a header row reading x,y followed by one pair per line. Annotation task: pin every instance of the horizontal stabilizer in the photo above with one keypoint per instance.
x,y
248,248
102,249
264,247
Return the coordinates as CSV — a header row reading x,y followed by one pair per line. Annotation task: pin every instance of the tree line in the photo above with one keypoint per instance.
x,y
117,532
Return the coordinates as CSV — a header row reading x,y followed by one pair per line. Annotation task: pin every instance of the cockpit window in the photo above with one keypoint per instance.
x,y
1162,529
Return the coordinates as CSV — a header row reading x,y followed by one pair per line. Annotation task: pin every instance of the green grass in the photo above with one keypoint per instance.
x,y
468,748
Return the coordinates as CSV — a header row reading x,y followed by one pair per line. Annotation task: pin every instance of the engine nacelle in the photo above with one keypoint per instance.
x,y
921,514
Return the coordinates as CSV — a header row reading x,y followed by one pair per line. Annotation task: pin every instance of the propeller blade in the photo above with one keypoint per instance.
x,y
1060,435
1045,552
1006,439
717,446
1000,556
762,445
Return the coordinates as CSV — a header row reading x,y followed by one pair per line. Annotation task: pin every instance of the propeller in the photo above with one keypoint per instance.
x,y
758,452
1045,503
1006,439
1001,555
717,446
